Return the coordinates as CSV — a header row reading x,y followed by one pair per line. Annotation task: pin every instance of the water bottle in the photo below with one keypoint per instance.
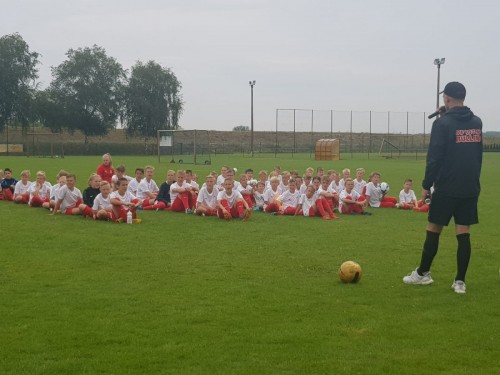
x,y
129,217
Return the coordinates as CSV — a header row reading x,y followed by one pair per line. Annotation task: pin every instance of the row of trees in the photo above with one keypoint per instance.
x,y
90,92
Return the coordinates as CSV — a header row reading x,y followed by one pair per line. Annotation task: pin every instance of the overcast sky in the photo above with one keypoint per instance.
x,y
341,55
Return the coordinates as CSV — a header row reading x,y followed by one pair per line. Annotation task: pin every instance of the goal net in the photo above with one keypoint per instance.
x,y
184,146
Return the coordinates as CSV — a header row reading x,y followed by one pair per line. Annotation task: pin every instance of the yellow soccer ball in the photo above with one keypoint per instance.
x,y
350,272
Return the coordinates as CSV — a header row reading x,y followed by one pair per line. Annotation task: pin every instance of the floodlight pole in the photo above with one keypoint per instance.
x,y
252,84
438,62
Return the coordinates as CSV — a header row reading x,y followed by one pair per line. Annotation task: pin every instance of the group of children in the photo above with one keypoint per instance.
x,y
111,195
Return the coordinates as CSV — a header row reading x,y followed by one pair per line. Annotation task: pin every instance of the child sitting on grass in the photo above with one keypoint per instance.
x,y
69,198
92,190
374,196
40,191
182,195
350,201
21,194
8,185
102,207
407,197
124,201
310,206
231,204
289,199
206,203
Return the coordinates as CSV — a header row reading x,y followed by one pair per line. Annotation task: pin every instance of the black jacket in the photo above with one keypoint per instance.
x,y
455,154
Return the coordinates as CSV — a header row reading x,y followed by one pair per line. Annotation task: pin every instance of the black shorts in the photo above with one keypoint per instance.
x,y
443,208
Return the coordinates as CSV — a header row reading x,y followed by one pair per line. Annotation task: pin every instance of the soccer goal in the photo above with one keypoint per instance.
x,y
184,146
44,145
389,150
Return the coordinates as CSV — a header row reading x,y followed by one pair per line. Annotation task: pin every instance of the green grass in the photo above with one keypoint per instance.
x,y
180,294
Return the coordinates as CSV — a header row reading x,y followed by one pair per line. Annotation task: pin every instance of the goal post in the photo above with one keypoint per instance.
x,y
184,146
390,149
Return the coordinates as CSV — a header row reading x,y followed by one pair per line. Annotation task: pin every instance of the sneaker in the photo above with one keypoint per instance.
x,y
458,286
246,215
136,221
416,279
189,211
367,213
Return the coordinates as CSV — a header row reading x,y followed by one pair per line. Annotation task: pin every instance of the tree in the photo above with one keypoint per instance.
x,y
87,87
18,73
152,100
49,111
241,128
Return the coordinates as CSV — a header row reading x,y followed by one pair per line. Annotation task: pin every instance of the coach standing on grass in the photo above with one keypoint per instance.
x,y
453,166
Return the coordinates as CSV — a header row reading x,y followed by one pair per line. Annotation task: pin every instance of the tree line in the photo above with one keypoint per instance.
x,y
90,92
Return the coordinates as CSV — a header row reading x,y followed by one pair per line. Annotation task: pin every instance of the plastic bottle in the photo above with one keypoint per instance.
x,y
129,217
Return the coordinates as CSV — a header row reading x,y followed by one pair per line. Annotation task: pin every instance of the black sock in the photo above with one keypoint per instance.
x,y
431,245
463,255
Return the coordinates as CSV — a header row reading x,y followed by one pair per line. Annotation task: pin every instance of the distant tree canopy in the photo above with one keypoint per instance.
x,y
18,73
152,100
90,92
241,128
87,88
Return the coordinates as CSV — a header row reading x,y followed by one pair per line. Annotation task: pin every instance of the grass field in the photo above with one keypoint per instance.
x,y
180,294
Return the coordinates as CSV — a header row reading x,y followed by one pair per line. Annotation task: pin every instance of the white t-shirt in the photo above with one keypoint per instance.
x,y
69,197
282,187
133,186
329,189
409,197
194,184
208,199
43,192
306,203
259,199
175,185
374,193
54,191
147,186
231,199
240,188
101,203
128,197
21,188
336,187
290,199
344,194
359,185
114,179
270,195
220,180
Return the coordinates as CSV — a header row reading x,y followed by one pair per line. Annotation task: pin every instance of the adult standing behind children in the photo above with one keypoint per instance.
x,y
454,162
106,170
